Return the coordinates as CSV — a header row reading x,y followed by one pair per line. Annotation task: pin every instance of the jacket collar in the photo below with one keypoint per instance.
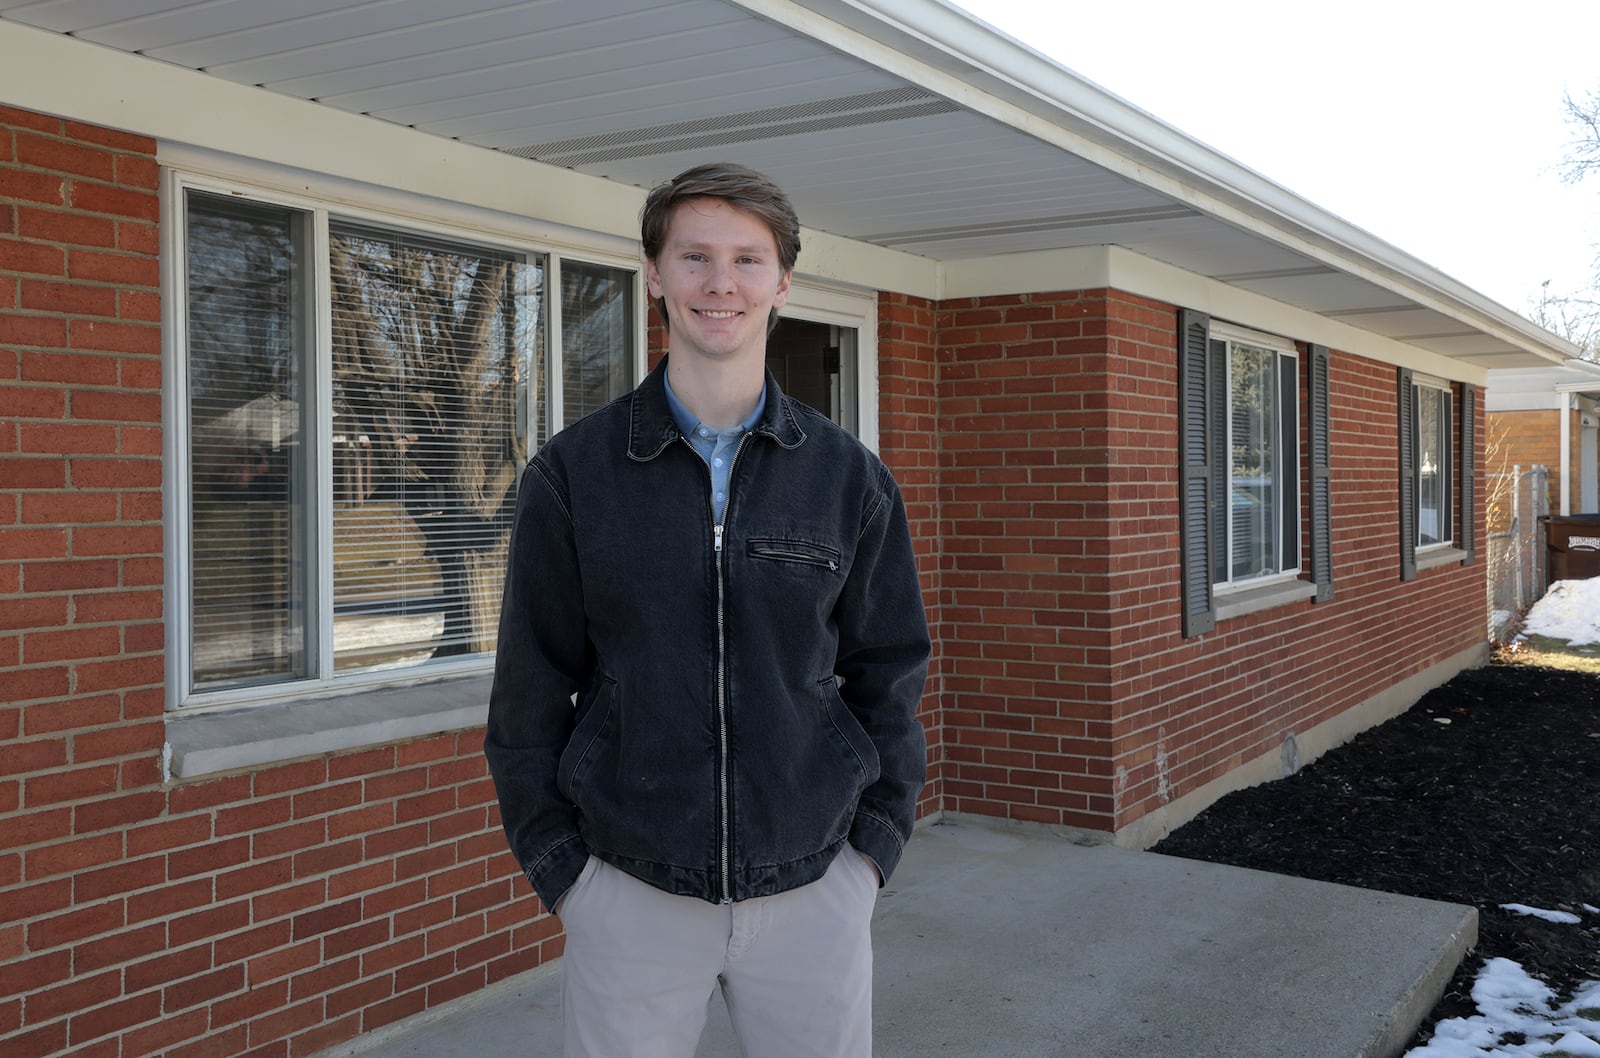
x,y
652,427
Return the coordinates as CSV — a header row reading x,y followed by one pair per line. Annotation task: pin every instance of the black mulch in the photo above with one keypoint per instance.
x,y
1501,805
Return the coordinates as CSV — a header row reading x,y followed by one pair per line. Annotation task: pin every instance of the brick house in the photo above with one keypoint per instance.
x,y
1549,416
285,302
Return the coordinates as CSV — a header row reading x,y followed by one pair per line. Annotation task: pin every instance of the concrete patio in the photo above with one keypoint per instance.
x,y
996,941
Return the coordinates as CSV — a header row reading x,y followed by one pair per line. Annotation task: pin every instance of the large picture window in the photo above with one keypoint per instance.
x,y
359,400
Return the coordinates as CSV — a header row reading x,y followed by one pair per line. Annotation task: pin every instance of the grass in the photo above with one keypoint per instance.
x,y
1551,653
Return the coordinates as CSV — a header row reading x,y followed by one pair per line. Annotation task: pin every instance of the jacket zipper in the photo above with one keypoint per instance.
x,y
722,678
724,868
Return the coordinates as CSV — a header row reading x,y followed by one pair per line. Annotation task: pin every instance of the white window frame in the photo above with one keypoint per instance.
x,y
819,303
555,366
460,223
1419,383
1290,432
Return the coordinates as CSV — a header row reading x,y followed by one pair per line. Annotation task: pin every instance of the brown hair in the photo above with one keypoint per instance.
x,y
741,188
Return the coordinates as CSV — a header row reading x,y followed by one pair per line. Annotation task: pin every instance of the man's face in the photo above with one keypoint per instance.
x,y
719,276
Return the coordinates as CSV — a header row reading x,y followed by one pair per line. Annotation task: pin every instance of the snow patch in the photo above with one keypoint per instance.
x,y
1570,610
1565,918
1510,1002
1578,1046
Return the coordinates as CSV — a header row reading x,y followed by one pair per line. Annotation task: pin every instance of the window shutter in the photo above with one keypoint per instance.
x,y
1321,475
1196,459
1469,460
1408,476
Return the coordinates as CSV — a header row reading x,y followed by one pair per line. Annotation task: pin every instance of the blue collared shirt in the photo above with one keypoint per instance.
x,y
716,447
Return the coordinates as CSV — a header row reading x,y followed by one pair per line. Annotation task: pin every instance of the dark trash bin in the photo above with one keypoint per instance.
x,y
1572,546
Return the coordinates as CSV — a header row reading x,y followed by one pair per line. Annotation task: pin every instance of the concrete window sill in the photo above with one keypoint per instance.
x,y
1435,557
1242,601
250,737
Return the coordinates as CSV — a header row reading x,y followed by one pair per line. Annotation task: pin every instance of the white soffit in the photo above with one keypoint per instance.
x,y
899,124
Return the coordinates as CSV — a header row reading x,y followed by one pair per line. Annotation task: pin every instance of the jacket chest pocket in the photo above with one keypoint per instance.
x,y
797,552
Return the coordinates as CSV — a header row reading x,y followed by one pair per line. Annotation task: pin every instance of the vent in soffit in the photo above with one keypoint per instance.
x,y
822,115
1063,222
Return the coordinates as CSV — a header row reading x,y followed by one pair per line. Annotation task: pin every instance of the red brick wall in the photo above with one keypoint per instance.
x,y
1218,701
1529,438
1035,434
1526,439
272,913
908,436
1072,697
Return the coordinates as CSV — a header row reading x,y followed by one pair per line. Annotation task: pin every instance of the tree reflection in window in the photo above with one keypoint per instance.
x,y
430,342
247,335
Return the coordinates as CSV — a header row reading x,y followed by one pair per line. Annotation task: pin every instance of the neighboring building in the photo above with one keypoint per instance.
x,y
1194,468
1550,416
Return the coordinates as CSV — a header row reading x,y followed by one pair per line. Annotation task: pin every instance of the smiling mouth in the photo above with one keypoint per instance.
x,y
718,314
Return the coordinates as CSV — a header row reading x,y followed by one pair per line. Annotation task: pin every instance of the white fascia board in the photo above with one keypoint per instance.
x,y
1092,267
835,259
945,50
1142,275
1033,272
206,125
1581,376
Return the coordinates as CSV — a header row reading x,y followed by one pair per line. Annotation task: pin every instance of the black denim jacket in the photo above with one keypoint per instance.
x,y
714,711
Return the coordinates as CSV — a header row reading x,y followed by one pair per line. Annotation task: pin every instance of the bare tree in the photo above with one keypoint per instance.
x,y
1583,153
1576,316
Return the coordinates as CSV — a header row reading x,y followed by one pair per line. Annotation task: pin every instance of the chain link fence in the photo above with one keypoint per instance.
x,y
1517,500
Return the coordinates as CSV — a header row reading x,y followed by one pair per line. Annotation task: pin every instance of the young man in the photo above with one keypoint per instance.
x,y
702,729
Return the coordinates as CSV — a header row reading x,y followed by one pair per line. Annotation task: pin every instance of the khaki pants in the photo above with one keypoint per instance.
x,y
795,968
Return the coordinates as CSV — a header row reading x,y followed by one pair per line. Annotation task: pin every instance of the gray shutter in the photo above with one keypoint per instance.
x,y
1469,460
1194,471
1320,400
1408,477
1217,433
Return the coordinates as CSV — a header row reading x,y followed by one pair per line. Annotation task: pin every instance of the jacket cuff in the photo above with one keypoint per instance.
x,y
554,872
878,839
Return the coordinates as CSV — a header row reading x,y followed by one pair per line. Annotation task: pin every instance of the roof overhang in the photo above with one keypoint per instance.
x,y
928,153
1542,388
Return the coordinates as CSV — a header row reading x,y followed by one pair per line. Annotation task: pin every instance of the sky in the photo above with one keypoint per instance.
x,y
1436,125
